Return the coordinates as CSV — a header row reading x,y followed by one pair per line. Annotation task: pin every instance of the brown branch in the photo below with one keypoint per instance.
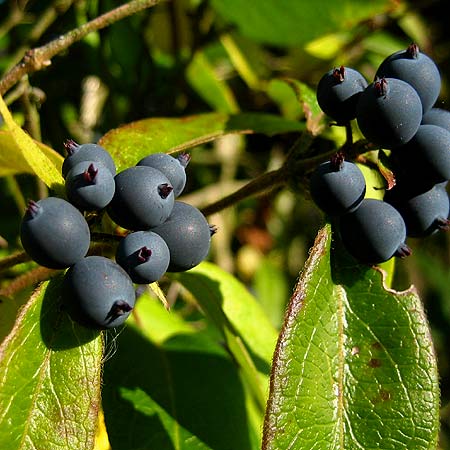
x,y
12,260
28,279
265,182
40,57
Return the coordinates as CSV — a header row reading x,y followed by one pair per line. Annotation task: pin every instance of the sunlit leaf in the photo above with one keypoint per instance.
x,y
50,372
130,143
13,161
354,366
43,166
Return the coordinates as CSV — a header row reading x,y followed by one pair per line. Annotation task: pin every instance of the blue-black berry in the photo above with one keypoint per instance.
x,y
338,91
98,292
143,198
90,186
54,233
172,167
337,186
188,236
374,232
389,112
144,255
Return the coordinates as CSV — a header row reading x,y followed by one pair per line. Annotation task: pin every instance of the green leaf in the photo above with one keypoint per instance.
x,y
13,161
50,372
40,163
130,143
202,77
247,331
354,366
296,22
170,386
272,290
308,100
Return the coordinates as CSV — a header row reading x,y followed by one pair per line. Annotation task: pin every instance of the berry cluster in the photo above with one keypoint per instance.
x,y
395,113
162,234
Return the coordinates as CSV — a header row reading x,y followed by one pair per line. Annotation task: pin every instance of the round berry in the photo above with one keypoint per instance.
x,y
86,152
389,112
173,168
90,186
337,186
54,233
437,116
143,198
426,156
417,69
188,236
98,292
338,91
424,213
374,232
144,255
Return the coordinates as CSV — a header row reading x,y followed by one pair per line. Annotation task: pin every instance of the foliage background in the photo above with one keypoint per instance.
x,y
191,56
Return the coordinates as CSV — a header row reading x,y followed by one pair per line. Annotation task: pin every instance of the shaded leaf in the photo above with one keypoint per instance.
x,y
246,329
49,378
130,143
202,77
170,386
308,101
295,22
354,366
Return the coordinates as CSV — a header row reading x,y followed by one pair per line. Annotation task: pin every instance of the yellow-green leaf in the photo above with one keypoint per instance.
x,y
39,162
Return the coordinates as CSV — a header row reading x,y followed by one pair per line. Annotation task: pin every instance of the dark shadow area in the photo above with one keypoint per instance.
x,y
147,387
214,310
345,269
58,330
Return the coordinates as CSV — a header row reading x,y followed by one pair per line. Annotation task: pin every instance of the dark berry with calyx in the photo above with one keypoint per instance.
x,y
98,292
143,198
144,255
426,156
389,112
337,186
437,116
417,69
424,213
54,233
90,186
188,236
77,153
374,232
172,167
338,91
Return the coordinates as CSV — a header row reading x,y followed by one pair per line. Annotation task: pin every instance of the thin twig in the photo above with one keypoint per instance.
x,y
12,260
40,57
265,182
28,279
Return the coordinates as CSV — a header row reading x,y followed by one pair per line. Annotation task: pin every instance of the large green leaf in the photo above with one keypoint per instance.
x,y
171,386
296,22
246,329
202,77
354,366
49,378
131,142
